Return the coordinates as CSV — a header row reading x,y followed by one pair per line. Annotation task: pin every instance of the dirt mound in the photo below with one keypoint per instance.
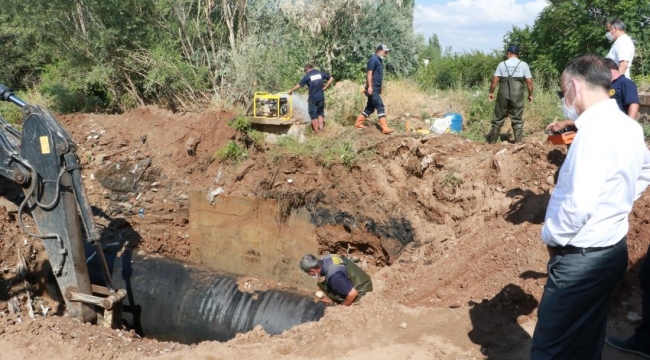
x,y
449,229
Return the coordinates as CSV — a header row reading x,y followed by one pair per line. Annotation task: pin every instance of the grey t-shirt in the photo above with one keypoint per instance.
x,y
514,67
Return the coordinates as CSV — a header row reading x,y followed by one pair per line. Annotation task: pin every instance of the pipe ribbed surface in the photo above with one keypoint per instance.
x,y
172,300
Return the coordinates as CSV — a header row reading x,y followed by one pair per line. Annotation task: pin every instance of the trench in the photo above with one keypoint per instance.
x,y
173,300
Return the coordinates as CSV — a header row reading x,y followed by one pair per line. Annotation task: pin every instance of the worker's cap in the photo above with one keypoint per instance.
x,y
382,47
513,49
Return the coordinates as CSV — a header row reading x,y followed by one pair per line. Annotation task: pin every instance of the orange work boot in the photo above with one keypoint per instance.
x,y
359,123
384,126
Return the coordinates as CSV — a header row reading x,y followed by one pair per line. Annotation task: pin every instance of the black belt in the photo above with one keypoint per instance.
x,y
565,250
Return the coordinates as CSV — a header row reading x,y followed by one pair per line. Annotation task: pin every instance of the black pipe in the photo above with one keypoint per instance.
x,y
172,300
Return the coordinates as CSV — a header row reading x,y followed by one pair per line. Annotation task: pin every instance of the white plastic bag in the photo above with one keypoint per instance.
x,y
441,126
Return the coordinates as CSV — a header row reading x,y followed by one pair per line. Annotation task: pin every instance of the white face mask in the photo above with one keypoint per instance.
x,y
569,112
609,36
315,276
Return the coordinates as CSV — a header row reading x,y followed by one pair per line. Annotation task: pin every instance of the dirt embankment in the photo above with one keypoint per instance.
x,y
449,229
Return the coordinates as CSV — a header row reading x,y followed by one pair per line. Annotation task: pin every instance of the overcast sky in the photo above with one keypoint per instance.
x,y
467,25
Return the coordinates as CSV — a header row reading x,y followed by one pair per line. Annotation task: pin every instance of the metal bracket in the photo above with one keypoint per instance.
x,y
110,301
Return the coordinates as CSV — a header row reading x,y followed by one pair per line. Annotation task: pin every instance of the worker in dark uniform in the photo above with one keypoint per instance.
x,y
345,283
374,83
315,81
513,76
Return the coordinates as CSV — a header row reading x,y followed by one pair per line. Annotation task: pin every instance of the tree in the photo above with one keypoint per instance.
x,y
433,50
566,29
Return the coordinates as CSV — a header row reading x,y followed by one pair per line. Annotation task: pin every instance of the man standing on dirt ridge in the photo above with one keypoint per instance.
x,y
374,80
345,283
622,50
512,75
314,79
586,221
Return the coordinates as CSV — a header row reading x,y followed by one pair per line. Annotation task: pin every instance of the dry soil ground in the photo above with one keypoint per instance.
x,y
462,282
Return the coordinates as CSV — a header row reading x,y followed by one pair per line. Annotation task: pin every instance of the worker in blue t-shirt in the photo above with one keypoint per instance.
x,y
374,80
623,90
315,81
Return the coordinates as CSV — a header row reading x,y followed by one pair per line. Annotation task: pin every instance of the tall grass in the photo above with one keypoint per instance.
x,y
13,114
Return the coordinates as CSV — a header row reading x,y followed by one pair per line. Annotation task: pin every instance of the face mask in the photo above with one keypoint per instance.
x,y
569,112
315,276
609,36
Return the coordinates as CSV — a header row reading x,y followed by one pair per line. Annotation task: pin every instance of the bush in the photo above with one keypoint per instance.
x,y
233,152
466,70
68,96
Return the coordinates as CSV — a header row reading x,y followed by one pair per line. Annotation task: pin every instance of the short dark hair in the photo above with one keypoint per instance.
x,y
308,66
592,69
617,23
611,63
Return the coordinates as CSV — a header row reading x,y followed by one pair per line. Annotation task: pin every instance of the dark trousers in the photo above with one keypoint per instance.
x,y
642,333
505,107
572,314
316,108
374,103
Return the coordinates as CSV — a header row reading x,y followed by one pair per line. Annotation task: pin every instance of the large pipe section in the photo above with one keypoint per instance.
x,y
172,300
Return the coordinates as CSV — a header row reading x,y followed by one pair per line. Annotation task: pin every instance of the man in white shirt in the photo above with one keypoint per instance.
x,y
586,221
622,51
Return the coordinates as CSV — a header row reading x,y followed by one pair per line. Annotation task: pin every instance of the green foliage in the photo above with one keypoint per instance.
x,y
479,115
464,70
71,93
327,151
96,55
232,152
432,50
11,113
240,124
566,29
344,107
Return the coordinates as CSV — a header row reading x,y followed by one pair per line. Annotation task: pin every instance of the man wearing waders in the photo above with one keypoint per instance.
x,y
513,75
345,282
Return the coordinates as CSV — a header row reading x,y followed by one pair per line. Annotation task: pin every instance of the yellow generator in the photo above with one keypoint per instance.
x,y
274,106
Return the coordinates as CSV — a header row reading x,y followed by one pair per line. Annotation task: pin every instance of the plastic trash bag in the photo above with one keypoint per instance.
x,y
441,126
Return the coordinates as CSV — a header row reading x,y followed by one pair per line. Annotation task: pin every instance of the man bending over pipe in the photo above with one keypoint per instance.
x,y
345,283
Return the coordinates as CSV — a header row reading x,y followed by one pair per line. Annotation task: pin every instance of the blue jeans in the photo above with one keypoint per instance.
x,y
572,314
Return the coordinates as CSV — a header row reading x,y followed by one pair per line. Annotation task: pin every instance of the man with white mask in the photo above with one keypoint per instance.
x,y
586,221
622,50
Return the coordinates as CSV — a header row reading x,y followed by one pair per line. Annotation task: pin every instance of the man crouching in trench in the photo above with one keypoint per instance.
x,y
345,282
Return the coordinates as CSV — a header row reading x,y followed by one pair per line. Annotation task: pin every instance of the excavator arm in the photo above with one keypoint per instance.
x,y
43,160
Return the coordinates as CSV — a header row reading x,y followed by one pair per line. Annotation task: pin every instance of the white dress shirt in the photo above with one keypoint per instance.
x,y
622,50
606,169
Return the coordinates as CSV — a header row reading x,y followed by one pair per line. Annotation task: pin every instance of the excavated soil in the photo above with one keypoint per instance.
x,y
449,229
